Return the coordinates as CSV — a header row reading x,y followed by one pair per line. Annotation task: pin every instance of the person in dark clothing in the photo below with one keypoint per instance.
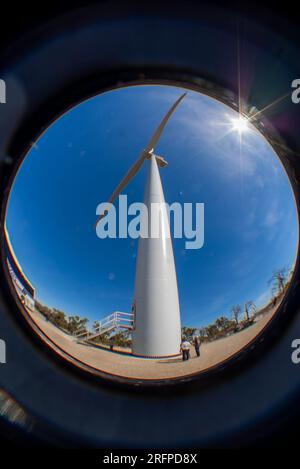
x,y
197,345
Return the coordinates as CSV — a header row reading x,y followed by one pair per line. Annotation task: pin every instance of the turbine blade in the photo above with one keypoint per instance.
x,y
127,178
149,149
155,137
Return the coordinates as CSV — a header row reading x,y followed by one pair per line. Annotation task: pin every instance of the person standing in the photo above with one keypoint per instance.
x,y
197,345
185,349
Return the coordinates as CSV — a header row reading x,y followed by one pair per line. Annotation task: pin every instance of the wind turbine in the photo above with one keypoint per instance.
x,y
157,329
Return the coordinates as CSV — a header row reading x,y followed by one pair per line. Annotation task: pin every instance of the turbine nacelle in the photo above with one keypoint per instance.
x,y
159,159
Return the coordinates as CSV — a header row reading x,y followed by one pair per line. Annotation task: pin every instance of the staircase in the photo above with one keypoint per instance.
x,y
114,321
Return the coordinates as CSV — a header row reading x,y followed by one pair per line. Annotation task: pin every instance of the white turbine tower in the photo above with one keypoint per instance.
x,y
157,331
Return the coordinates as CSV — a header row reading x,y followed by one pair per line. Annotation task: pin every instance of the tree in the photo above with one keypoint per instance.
x,y
222,323
212,331
236,311
122,339
96,325
249,309
44,310
279,280
71,324
59,319
101,339
188,332
76,324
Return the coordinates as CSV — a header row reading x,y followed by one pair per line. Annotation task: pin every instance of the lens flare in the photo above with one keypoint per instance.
x,y
240,124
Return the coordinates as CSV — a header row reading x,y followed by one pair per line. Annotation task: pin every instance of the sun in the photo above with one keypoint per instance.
x,y
240,124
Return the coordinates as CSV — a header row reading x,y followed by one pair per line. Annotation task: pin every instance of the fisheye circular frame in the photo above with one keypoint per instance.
x,y
125,78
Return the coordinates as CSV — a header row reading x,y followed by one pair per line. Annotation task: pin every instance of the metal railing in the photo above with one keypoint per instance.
x,y
116,320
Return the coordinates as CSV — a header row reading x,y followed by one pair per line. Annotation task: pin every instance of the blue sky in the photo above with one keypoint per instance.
x,y
250,215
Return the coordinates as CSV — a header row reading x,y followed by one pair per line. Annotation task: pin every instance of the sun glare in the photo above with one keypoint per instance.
x,y
240,124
